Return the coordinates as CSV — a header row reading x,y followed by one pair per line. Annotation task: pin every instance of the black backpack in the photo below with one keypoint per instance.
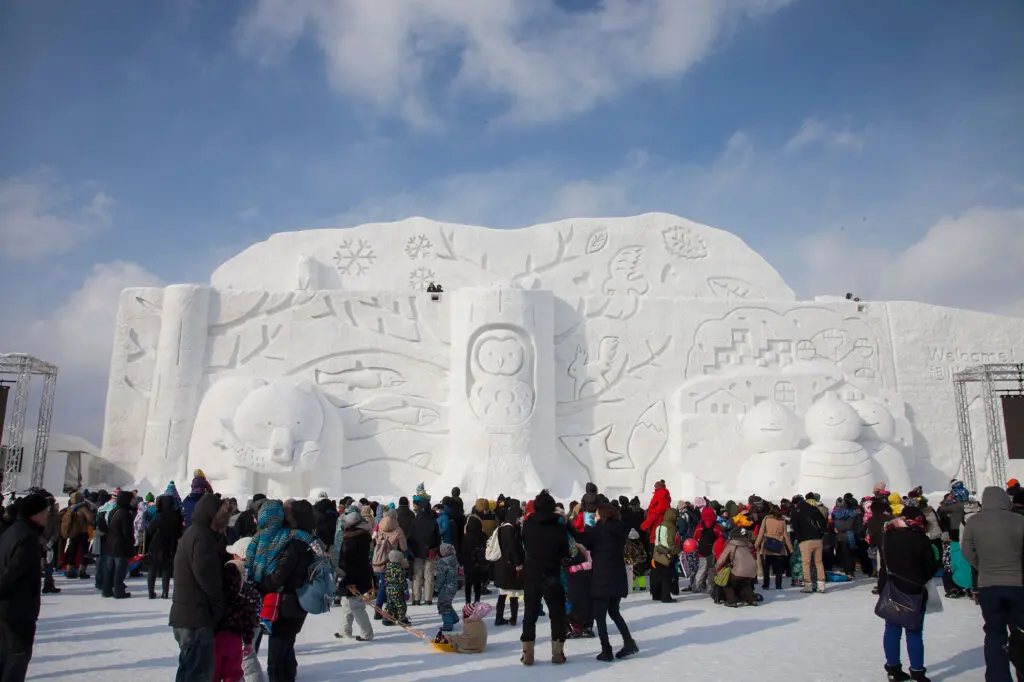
x,y
706,544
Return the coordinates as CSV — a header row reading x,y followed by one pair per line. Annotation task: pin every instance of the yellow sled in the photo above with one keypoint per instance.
x,y
446,648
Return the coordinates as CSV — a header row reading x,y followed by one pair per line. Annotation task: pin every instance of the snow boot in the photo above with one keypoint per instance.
x,y
919,675
606,655
629,648
50,588
152,595
498,622
821,586
558,653
807,588
588,633
527,657
895,673
575,632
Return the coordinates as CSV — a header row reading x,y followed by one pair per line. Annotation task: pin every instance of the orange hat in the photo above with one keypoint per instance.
x,y
1012,483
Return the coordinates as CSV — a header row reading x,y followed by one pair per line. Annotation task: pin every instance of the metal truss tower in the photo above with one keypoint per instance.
x,y
995,380
23,367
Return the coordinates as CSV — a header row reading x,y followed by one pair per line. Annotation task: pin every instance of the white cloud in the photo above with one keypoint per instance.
x,y
39,215
547,62
78,337
814,131
970,260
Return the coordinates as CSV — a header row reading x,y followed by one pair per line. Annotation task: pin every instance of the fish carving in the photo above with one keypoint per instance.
x,y
402,413
361,377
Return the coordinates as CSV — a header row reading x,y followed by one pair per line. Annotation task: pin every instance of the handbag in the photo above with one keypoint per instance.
x,y
662,556
722,577
900,608
773,545
1015,648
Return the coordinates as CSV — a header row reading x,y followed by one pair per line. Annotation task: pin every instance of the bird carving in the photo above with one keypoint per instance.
x,y
593,373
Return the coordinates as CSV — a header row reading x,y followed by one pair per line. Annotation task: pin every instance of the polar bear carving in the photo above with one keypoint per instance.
x,y
251,434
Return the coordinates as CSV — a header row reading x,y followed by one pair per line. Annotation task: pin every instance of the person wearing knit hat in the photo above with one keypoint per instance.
x,y
395,589
20,601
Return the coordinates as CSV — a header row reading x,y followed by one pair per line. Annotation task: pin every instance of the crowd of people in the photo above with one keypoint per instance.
x,y
244,575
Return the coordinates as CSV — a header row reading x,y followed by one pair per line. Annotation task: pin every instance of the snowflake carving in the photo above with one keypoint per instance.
x,y
418,246
354,257
420,278
682,242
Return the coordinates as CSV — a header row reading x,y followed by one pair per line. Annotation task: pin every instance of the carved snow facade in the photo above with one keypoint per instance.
x,y
620,351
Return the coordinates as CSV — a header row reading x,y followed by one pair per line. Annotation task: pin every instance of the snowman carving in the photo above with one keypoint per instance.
x,y
772,433
878,433
835,463
501,377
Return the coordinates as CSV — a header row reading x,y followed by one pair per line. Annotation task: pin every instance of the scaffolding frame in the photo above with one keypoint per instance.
x,y
994,380
24,367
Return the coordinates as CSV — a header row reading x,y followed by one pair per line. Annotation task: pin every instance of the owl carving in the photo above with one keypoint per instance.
x,y
501,377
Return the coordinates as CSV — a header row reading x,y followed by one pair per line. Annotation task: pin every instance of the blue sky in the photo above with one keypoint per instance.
x,y
873,146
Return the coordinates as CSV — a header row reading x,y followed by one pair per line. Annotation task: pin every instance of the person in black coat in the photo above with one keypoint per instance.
x,y
424,545
198,602
508,570
325,518
910,562
118,547
354,565
162,536
245,524
291,573
406,516
810,527
474,559
457,513
20,584
546,546
606,541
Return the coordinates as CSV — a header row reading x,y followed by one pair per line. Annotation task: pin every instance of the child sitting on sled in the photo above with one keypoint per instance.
x,y
473,638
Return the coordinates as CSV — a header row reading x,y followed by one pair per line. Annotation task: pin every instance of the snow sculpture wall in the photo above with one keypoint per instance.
x,y
615,350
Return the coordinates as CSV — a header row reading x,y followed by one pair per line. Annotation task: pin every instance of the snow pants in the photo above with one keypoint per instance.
x,y
353,611
227,657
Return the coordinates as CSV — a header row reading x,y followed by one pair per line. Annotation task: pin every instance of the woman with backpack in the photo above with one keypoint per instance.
x,y
278,561
774,547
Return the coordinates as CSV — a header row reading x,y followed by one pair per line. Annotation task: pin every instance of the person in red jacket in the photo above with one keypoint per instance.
x,y
707,535
660,502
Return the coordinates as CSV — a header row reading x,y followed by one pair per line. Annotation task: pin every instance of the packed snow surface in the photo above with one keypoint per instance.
x,y
792,636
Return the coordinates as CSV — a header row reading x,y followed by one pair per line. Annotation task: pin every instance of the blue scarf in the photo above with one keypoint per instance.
x,y
267,545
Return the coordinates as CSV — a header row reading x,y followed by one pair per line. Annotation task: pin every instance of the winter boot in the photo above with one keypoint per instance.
x,y
152,595
588,632
895,673
514,606
575,632
807,588
821,586
498,622
629,648
606,655
527,657
919,675
50,588
558,653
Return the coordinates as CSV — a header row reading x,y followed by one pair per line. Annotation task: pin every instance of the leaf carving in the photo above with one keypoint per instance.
x,y
597,241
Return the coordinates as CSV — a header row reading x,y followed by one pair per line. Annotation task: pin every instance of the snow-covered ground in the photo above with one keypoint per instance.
x,y
791,636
